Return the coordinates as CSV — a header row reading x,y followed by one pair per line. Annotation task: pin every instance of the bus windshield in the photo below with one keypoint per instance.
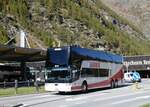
x,y
60,75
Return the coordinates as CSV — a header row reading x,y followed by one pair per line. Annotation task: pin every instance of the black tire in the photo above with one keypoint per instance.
x,y
84,87
62,92
112,85
116,83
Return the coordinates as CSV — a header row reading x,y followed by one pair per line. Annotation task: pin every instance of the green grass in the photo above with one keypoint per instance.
x,y
145,105
20,91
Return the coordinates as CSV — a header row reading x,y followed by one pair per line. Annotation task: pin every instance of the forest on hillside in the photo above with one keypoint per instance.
x,y
88,23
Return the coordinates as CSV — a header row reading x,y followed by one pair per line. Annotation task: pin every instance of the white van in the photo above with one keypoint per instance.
x,y
132,77
128,77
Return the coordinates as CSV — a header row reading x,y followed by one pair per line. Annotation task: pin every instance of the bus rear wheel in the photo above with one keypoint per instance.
x,y
112,84
84,87
116,84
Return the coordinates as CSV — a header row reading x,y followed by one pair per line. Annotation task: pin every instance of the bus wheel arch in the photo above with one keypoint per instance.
x,y
84,86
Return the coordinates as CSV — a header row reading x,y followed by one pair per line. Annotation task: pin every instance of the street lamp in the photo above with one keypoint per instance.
x,y
127,66
148,68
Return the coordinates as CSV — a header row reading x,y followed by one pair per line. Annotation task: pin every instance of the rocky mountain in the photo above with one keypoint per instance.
x,y
137,11
88,23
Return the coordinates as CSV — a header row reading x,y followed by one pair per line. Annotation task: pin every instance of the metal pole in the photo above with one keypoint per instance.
x,y
28,83
23,70
4,84
16,86
127,67
36,82
36,86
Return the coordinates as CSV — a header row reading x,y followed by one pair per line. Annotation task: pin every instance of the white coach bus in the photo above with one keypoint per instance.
x,y
73,68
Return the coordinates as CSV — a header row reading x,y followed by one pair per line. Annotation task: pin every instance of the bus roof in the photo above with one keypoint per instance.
x,y
99,55
69,54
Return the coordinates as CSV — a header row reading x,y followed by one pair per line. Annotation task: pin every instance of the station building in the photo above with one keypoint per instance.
x,y
16,62
140,64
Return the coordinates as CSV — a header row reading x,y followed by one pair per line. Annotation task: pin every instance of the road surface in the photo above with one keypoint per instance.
x,y
126,96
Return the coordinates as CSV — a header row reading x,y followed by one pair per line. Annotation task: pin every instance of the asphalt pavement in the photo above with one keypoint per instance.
x,y
129,95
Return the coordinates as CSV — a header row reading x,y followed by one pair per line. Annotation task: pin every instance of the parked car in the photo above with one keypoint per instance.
x,y
136,77
132,77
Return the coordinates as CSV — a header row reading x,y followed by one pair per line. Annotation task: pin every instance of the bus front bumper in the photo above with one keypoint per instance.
x,y
58,87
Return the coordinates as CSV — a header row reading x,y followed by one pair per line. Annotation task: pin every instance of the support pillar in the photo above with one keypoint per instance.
x,y
23,70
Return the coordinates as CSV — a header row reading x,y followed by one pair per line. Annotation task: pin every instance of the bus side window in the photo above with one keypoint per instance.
x,y
83,72
87,72
104,72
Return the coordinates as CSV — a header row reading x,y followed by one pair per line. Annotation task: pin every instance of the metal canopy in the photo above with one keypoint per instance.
x,y
18,54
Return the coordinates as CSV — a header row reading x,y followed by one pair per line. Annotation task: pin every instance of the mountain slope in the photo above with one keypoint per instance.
x,y
138,11
88,23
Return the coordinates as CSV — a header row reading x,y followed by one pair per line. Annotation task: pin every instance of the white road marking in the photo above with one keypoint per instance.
x,y
132,99
41,101
83,97
75,99
22,97
81,102
119,96
63,106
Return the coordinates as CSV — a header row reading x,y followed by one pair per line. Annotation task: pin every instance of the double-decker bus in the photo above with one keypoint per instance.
x,y
73,68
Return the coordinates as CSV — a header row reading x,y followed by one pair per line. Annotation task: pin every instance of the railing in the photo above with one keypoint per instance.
x,y
17,84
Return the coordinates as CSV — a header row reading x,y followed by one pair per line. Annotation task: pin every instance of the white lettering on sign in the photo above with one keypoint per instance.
x,y
144,62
